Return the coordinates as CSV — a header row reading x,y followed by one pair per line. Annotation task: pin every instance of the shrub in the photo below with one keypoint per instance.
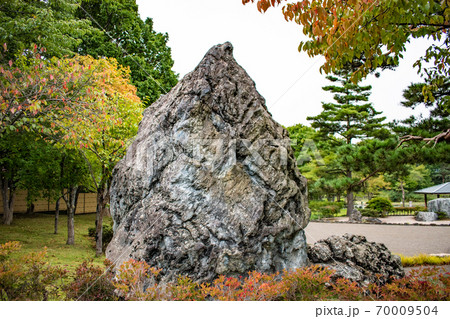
x,y
424,259
378,207
32,279
136,280
367,212
107,234
442,215
326,209
420,285
91,283
28,277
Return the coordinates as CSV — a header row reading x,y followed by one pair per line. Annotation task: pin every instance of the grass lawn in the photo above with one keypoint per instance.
x,y
36,232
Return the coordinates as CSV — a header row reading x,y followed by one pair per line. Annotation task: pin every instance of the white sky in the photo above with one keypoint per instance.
x,y
266,46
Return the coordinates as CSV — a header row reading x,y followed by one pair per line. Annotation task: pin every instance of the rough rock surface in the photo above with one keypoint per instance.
x,y
371,220
355,216
355,258
210,184
440,205
426,216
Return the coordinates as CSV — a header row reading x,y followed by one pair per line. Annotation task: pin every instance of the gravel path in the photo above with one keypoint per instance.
x,y
400,239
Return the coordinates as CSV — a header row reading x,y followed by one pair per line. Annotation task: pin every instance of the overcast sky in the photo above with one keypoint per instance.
x,y
266,46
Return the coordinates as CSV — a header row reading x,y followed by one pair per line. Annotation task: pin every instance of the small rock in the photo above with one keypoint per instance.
x,y
426,216
355,216
355,258
371,220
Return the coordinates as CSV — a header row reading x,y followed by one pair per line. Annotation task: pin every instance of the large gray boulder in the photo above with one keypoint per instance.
x,y
210,185
357,259
440,205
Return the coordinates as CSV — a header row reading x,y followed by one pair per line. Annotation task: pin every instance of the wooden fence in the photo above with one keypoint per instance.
x,y
405,211
87,203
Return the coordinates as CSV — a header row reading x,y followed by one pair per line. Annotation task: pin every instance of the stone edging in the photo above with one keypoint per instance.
x,y
356,223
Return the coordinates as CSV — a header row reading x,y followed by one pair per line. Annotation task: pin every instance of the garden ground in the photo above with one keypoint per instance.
x,y
35,232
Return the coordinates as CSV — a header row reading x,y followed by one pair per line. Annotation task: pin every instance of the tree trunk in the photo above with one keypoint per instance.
x,y
350,204
30,208
8,197
102,200
71,203
57,214
403,193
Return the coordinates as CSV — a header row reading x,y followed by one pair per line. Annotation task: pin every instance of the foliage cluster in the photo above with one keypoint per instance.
x,y
28,277
380,204
377,207
136,280
326,208
374,33
442,215
91,282
76,76
107,234
423,259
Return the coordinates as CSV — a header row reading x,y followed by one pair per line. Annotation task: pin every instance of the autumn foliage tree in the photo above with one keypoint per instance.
x,y
375,30
374,33
102,137
84,104
46,96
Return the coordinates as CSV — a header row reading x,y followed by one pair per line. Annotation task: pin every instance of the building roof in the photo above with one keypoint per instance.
x,y
438,189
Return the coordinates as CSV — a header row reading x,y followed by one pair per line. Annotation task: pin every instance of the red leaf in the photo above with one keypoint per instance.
x,y
10,62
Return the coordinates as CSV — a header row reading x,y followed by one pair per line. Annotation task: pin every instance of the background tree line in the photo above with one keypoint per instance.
x,y
357,38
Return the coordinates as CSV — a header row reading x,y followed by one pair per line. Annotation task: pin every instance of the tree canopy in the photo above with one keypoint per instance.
x,y
48,24
351,116
123,35
371,30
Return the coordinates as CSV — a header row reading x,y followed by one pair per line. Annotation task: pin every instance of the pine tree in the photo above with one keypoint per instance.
x,y
351,117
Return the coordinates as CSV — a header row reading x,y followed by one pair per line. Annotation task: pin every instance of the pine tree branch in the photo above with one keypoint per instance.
x,y
441,137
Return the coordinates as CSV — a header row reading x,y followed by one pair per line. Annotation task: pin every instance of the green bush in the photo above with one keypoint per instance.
x,y
380,206
107,234
442,215
368,212
326,209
